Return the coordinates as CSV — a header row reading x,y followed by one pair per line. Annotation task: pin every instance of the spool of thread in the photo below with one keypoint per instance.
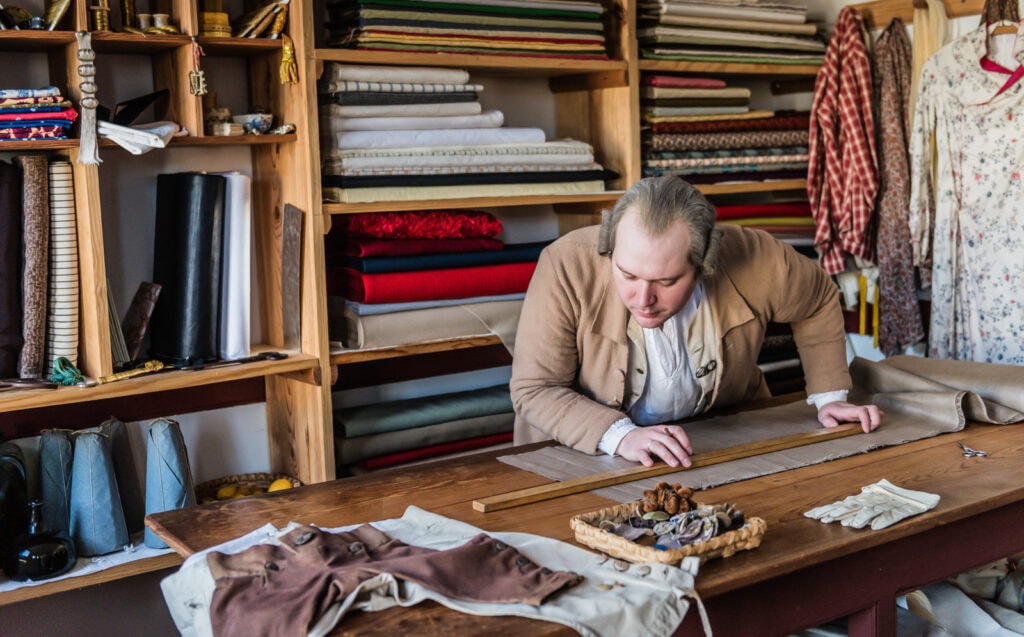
x,y
214,24
145,20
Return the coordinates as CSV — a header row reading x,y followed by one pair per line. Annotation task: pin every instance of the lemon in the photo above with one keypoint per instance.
x,y
226,491
279,485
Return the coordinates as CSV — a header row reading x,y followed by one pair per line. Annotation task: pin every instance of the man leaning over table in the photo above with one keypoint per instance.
x,y
658,315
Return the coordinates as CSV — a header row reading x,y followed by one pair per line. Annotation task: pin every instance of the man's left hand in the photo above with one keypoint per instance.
x,y
869,416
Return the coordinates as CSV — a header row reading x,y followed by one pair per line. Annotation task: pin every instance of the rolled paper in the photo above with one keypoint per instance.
x,y
169,483
97,519
235,282
56,452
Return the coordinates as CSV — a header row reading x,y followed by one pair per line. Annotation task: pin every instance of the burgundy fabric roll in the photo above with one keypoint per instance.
x,y
428,224
429,285
35,204
781,121
10,269
679,81
433,451
794,209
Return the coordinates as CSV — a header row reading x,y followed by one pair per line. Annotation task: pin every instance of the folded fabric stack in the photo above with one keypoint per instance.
x,y
35,114
791,222
385,434
739,31
408,277
410,133
704,131
535,28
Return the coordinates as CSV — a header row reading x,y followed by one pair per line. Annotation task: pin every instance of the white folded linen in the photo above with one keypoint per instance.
x,y
401,110
487,119
449,137
337,71
140,138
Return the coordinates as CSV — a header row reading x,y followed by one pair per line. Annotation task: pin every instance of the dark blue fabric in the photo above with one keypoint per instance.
x,y
514,253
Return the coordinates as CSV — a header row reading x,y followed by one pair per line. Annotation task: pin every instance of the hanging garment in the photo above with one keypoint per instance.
x,y
900,323
965,218
842,178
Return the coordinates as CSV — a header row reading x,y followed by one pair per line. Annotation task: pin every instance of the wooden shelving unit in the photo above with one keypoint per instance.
x,y
297,400
596,101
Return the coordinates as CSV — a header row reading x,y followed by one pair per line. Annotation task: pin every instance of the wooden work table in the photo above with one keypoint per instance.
x,y
804,573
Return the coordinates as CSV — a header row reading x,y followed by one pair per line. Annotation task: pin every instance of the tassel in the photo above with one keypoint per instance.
x,y
289,70
88,148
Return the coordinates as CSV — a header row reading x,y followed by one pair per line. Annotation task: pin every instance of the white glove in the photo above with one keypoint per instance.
x,y
881,504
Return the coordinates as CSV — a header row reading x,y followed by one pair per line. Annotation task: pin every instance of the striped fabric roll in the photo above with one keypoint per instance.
x,y
63,300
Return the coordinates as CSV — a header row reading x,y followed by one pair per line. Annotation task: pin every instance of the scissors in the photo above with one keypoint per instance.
x,y
26,383
972,453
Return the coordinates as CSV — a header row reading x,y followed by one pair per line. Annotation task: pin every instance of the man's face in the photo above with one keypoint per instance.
x,y
653,275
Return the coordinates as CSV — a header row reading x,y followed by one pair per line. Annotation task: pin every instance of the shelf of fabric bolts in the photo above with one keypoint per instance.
x,y
17,398
341,356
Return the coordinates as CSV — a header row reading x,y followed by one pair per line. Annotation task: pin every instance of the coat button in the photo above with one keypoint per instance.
x,y
271,566
304,538
522,561
499,546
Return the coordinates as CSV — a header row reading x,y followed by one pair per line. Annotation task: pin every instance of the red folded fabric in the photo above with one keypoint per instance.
x,y
794,121
429,285
370,247
745,211
432,451
429,224
678,81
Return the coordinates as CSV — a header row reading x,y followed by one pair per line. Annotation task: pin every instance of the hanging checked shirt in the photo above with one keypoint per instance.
x,y
842,177
967,218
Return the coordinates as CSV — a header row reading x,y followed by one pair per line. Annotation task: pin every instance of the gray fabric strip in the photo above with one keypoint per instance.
x,y
921,398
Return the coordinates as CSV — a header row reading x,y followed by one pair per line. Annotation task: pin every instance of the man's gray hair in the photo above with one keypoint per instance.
x,y
659,201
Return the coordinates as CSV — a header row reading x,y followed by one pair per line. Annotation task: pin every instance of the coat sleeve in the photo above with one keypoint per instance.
x,y
784,286
545,388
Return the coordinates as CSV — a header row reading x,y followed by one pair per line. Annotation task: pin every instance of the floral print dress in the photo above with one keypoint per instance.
x,y
967,201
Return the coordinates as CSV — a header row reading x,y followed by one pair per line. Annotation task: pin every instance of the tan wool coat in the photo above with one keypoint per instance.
x,y
576,370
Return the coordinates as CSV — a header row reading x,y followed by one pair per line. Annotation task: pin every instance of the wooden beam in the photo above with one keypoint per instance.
x,y
629,474
879,13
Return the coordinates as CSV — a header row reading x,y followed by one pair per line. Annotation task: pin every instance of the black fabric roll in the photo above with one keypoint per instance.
x,y
186,263
10,269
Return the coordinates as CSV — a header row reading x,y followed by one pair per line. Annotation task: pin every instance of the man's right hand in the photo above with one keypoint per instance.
x,y
668,442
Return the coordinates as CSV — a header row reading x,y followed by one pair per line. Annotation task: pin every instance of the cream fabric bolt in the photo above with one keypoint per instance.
x,y
236,269
880,504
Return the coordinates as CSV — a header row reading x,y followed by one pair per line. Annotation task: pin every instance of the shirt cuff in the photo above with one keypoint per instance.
x,y
824,398
613,436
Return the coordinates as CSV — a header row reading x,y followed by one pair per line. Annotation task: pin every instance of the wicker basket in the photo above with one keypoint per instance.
x,y
207,491
589,532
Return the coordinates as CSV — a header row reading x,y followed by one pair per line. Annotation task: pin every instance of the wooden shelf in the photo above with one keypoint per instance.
x,y
138,567
754,186
238,47
130,43
347,356
473,202
730,68
13,400
33,41
495,64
